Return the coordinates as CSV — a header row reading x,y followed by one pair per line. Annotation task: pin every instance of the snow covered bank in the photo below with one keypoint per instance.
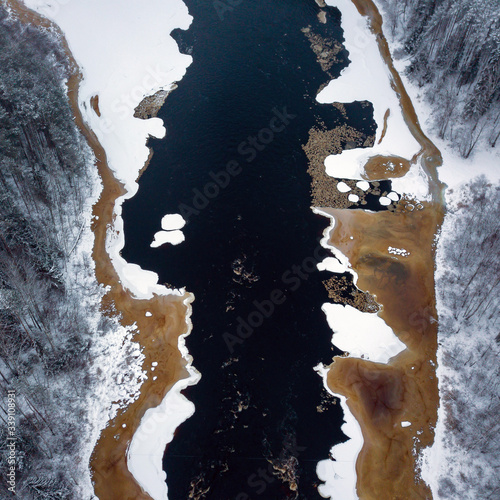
x,y
157,428
459,463
125,53
118,71
339,476
117,384
444,43
121,70
364,335
367,78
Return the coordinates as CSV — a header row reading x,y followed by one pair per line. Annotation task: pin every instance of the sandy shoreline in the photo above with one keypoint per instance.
x,y
158,335
381,396
391,257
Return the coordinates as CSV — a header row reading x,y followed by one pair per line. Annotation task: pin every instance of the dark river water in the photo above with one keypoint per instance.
x,y
241,115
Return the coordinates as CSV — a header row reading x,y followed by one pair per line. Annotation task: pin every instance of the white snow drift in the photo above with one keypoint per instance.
x,y
362,335
171,233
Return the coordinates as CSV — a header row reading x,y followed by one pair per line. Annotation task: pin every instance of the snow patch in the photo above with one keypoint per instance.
x,y
361,334
343,187
363,185
161,237
171,222
339,476
144,283
398,251
331,264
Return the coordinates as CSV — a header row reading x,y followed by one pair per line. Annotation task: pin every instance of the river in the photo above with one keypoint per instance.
x,y
240,117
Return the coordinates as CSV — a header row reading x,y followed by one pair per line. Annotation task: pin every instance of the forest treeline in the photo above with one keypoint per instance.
x,y
467,284
53,336
454,51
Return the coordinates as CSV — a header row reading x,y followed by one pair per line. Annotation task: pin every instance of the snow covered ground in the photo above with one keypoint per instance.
x,y
366,79
121,69
463,461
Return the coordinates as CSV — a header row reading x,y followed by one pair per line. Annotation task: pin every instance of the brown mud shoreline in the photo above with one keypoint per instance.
x,y
406,389
157,335
382,396
430,155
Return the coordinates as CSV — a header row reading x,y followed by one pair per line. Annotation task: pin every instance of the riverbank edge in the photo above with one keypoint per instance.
x,y
430,157
170,314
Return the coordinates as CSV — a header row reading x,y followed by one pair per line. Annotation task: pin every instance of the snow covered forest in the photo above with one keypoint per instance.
x,y
54,341
454,51
465,461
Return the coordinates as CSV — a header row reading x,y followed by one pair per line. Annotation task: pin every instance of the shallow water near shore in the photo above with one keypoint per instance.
x,y
263,419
